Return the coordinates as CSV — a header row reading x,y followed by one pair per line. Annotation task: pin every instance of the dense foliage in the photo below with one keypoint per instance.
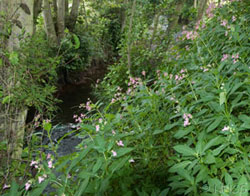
x,y
175,123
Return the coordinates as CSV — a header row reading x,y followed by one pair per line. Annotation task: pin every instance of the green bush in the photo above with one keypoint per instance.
x,y
185,134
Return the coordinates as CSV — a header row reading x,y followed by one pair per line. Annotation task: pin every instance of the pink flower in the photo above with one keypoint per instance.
x,y
114,153
50,164
120,143
186,119
100,120
27,186
49,156
113,132
226,128
165,74
224,23
75,116
143,73
97,127
33,163
40,179
225,56
113,100
5,186
131,160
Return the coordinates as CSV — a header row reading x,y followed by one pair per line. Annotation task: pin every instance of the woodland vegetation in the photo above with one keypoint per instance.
x,y
171,115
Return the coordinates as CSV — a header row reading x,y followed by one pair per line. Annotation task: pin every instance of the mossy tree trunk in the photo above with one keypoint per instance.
x,y
13,116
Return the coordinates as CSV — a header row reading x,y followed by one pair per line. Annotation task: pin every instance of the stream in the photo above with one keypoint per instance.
x,y
71,96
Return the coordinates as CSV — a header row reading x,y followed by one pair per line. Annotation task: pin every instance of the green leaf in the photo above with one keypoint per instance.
x,y
186,175
213,142
123,151
6,99
215,124
181,133
228,180
185,150
178,166
13,58
243,186
118,164
98,165
158,131
78,159
202,175
77,41
209,158
14,189
82,187
40,189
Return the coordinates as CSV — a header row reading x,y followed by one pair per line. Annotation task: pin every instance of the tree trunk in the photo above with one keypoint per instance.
x,y
12,117
49,24
129,42
201,8
73,14
60,19
37,11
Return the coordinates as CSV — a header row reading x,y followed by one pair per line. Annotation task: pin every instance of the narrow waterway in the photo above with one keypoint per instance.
x,y
71,96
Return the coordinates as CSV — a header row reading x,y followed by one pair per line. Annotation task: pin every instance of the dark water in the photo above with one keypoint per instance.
x,y
72,96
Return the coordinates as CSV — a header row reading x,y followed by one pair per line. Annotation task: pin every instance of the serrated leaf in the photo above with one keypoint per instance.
x,y
82,187
185,150
178,166
213,142
98,165
40,189
123,151
215,124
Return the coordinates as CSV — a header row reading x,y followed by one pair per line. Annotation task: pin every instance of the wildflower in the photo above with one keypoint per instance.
x,y
49,156
75,116
27,186
226,33
233,18
100,120
33,163
120,143
5,186
226,128
97,127
224,23
88,107
143,73
40,179
225,56
50,164
113,100
114,153
165,74
186,119
131,160
113,132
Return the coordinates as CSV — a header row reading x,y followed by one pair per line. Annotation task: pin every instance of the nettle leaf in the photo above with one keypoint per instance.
x,y
222,97
185,150
178,166
215,124
123,151
213,142
98,165
25,8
